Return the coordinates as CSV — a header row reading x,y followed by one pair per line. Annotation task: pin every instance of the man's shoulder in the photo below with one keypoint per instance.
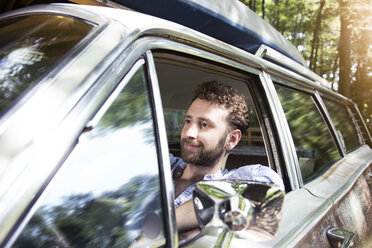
x,y
177,165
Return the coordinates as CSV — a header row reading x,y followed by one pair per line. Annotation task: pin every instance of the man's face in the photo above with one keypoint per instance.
x,y
203,137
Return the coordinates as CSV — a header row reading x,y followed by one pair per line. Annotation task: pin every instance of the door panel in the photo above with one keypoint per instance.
x,y
106,194
317,236
305,221
354,211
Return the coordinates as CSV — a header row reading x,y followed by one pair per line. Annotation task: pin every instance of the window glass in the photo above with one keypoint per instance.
x,y
253,136
30,46
344,124
107,193
315,147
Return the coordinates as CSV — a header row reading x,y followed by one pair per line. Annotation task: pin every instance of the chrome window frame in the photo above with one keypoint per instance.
x,y
285,138
369,136
327,119
166,180
357,127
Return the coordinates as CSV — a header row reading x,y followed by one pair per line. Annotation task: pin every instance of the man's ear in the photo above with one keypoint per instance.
x,y
233,139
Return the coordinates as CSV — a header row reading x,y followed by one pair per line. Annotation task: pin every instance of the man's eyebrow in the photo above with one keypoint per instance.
x,y
199,118
205,119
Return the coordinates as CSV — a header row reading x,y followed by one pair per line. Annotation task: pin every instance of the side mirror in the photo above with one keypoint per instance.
x,y
240,209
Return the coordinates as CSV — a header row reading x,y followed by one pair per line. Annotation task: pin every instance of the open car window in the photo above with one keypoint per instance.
x,y
178,77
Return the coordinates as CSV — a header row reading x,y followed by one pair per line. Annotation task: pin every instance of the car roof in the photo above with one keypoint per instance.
x,y
227,20
139,24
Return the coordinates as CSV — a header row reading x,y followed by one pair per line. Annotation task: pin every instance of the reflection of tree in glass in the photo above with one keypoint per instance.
x,y
30,46
343,123
253,120
131,107
112,219
174,120
15,71
309,130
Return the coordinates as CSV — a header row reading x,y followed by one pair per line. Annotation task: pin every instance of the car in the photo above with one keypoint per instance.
x,y
92,103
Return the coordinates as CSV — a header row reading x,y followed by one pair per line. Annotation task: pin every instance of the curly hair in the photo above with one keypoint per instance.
x,y
227,97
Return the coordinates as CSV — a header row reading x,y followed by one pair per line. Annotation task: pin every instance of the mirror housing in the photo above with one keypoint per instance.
x,y
240,209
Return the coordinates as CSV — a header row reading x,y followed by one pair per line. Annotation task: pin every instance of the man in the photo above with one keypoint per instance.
x,y
214,124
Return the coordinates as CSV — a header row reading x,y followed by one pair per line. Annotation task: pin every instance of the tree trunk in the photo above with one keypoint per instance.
x,y
315,42
344,49
334,70
263,9
252,5
276,22
297,27
360,91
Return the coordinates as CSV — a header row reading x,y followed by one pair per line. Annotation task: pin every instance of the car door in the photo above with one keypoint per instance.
x,y
332,166
305,216
109,190
352,195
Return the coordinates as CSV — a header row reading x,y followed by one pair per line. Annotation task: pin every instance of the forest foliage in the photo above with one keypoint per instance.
x,y
334,37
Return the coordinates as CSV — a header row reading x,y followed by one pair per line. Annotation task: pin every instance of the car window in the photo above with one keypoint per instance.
x,y
30,46
360,124
178,78
315,147
107,193
344,124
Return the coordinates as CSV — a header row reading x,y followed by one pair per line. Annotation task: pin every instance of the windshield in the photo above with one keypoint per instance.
x,y
30,46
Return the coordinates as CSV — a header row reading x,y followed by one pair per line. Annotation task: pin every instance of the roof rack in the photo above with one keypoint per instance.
x,y
276,57
227,20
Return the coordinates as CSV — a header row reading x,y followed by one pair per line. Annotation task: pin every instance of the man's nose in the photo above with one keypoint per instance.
x,y
191,131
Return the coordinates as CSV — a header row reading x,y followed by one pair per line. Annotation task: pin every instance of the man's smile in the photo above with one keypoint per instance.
x,y
191,145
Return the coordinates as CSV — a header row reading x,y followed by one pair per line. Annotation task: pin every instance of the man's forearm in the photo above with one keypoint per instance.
x,y
186,217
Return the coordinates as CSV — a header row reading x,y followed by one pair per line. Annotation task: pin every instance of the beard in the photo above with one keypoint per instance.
x,y
202,156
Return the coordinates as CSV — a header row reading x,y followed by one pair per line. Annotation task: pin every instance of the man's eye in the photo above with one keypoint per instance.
x,y
204,124
187,121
